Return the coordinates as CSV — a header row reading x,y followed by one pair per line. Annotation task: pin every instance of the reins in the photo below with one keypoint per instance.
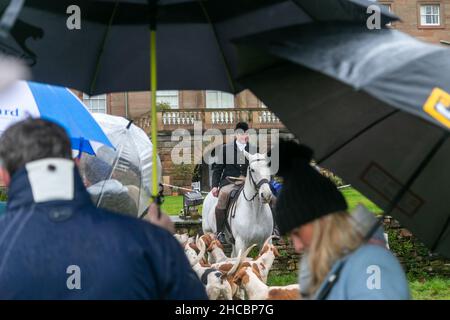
x,y
257,185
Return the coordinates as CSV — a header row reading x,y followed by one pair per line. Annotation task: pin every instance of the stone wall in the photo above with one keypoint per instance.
x,y
416,259
409,12
288,261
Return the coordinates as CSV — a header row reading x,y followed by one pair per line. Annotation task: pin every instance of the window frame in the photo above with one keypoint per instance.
x,y
220,95
441,24
87,100
390,4
160,94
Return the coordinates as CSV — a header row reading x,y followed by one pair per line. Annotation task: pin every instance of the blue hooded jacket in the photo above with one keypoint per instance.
x,y
371,272
69,249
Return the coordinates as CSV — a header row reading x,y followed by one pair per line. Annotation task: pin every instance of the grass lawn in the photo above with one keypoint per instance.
x,y
431,289
282,280
353,198
174,204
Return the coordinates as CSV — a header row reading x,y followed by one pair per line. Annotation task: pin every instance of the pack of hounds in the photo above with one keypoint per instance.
x,y
236,278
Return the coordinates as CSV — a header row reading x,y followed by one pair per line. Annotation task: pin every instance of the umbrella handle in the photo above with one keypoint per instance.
x,y
153,88
158,200
80,151
129,124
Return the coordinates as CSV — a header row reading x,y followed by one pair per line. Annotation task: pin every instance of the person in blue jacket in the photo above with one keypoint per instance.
x,y
342,258
275,187
55,244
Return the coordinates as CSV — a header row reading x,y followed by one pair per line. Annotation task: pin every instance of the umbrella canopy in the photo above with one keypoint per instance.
x,y
30,99
132,160
110,52
375,105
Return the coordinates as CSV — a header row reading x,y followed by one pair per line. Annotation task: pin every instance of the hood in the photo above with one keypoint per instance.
x,y
364,221
47,180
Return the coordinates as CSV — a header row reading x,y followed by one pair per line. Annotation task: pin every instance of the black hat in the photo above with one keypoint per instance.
x,y
242,125
306,194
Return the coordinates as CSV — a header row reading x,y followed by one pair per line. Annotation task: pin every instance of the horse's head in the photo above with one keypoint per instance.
x,y
259,175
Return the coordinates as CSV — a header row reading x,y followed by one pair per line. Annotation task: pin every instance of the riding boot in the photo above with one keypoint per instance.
x,y
276,231
221,217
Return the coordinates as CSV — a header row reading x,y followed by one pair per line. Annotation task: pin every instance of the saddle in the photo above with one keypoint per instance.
x,y
231,202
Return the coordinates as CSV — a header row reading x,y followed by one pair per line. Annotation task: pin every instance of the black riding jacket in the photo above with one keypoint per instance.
x,y
230,162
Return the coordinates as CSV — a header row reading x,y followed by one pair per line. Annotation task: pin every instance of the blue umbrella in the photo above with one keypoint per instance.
x,y
58,104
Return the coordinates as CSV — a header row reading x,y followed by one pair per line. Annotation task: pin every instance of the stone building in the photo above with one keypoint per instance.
x,y
182,109
426,20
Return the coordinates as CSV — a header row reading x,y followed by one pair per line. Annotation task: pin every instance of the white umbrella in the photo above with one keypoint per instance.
x,y
131,162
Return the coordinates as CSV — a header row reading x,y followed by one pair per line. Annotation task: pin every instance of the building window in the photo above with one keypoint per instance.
x,y
95,103
219,100
168,96
387,6
430,15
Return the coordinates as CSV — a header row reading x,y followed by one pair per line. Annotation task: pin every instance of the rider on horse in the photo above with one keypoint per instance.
x,y
231,163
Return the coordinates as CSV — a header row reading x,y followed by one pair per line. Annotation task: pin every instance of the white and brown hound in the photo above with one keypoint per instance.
x,y
249,279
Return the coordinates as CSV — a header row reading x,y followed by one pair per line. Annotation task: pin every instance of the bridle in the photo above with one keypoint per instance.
x,y
257,185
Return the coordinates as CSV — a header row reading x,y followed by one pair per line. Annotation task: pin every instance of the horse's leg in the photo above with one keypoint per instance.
x,y
233,251
239,245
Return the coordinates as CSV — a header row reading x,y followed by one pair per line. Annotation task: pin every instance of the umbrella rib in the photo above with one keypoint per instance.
x,y
417,172
356,135
447,223
102,47
441,235
222,54
408,184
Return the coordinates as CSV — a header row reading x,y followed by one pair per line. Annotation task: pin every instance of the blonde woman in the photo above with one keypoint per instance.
x,y
338,262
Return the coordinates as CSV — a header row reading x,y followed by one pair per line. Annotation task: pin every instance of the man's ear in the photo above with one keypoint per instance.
x,y
5,178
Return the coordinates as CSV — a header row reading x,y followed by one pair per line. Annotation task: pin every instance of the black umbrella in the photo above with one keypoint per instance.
x,y
111,51
114,45
375,105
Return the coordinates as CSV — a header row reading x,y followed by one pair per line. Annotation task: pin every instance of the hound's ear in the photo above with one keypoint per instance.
x,y
246,154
